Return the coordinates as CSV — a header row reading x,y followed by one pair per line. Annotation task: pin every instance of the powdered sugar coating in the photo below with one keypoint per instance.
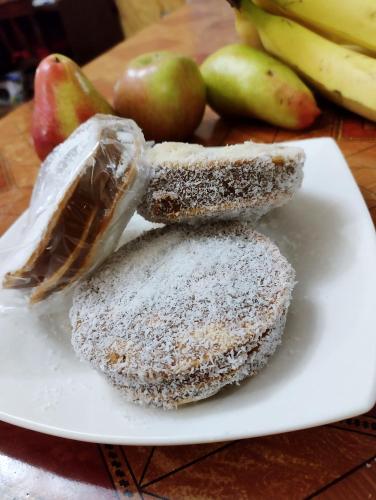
x,y
191,182
180,310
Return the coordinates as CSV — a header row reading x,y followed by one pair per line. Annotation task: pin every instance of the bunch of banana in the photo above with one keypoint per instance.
x,y
345,21
345,76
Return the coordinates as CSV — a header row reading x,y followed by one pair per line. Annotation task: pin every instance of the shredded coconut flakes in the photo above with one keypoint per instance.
x,y
178,313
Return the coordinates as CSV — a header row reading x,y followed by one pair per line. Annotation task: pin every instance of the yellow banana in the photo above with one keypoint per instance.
x,y
343,75
352,21
273,7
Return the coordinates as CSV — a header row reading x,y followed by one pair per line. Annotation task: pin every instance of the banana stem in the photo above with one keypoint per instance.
x,y
234,3
257,14
250,8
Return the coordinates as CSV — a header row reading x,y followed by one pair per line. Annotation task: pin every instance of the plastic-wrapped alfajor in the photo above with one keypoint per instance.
x,y
86,191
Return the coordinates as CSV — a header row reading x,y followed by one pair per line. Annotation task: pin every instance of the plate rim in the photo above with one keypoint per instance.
x,y
168,441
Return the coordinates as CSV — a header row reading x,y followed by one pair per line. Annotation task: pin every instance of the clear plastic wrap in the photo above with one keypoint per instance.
x,y
86,192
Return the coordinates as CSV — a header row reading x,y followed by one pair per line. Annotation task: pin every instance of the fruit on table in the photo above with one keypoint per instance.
x,y
247,31
64,98
243,81
343,75
164,93
352,21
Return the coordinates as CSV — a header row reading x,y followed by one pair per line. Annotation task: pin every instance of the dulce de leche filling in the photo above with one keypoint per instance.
x,y
84,213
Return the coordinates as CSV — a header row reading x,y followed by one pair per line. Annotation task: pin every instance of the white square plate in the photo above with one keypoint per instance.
x,y
324,371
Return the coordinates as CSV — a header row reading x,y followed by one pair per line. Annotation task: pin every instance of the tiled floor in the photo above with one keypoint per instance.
x,y
335,461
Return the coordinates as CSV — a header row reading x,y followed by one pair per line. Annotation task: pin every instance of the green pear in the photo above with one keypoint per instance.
x,y
243,81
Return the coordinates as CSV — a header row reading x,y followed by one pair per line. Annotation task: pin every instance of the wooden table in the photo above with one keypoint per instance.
x,y
333,461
